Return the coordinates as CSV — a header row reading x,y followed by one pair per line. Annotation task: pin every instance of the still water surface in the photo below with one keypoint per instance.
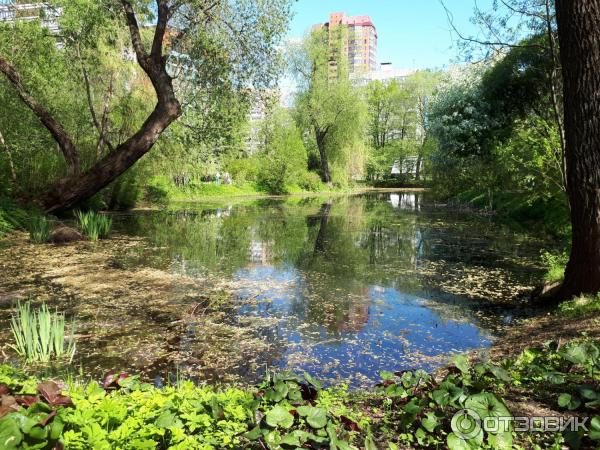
x,y
341,287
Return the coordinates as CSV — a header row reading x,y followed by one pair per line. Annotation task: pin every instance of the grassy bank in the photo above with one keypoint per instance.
x,y
548,214
406,410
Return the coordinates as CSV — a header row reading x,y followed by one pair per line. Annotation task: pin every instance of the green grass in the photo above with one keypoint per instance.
x,y
39,229
581,306
40,335
162,190
94,225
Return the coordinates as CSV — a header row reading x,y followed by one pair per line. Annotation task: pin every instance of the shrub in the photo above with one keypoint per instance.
x,y
40,335
158,190
94,225
555,264
310,181
244,169
39,229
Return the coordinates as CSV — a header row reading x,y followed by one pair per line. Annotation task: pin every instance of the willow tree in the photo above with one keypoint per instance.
x,y
579,35
208,44
327,103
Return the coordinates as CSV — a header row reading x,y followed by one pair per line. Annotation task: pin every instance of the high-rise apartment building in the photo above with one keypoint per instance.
x,y
358,40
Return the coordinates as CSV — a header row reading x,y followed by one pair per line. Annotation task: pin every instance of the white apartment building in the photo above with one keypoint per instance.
x,y
12,11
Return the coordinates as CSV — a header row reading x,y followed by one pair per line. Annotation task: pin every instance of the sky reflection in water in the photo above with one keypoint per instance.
x,y
343,287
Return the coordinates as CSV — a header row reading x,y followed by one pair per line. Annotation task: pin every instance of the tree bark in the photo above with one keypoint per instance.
x,y
325,173
579,36
13,173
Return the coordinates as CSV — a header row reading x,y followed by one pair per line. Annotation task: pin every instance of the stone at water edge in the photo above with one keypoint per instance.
x,y
64,235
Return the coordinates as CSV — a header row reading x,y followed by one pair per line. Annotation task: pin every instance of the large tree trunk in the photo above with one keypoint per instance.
x,y
325,173
72,190
579,35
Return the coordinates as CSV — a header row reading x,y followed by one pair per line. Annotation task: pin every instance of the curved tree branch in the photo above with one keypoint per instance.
x,y
57,131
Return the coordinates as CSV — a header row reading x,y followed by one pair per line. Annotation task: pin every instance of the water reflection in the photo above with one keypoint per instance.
x,y
339,287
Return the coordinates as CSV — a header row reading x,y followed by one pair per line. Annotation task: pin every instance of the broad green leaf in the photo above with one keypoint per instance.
x,y
279,417
10,434
430,422
501,441
595,428
569,402
316,417
487,404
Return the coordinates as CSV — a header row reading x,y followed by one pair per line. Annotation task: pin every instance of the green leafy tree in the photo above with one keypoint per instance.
x,y
327,103
212,46
284,158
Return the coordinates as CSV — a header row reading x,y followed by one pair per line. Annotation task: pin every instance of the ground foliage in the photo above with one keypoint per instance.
x,y
406,410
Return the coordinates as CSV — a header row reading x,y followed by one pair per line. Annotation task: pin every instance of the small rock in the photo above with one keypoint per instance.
x,y
63,235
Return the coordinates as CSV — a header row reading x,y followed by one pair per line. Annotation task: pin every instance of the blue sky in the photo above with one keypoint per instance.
x,y
413,34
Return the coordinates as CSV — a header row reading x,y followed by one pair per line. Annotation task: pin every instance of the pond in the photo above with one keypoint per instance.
x,y
342,287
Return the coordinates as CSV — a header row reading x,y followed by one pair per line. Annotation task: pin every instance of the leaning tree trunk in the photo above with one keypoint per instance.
x,y
579,35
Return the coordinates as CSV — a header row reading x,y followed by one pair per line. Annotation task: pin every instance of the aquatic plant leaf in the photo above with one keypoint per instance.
x,y
370,443
580,353
500,373
113,380
457,443
554,377
296,438
52,393
279,417
253,434
278,392
462,363
487,404
10,433
56,429
568,401
595,428
501,441
314,382
589,393
46,420
315,417
27,400
430,422
8,404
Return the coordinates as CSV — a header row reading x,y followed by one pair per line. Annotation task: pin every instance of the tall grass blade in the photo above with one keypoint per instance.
x,y
39,336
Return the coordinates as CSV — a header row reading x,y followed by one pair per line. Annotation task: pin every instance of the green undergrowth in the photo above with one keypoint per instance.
x,y
555,266
581,306
12,217
406,410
